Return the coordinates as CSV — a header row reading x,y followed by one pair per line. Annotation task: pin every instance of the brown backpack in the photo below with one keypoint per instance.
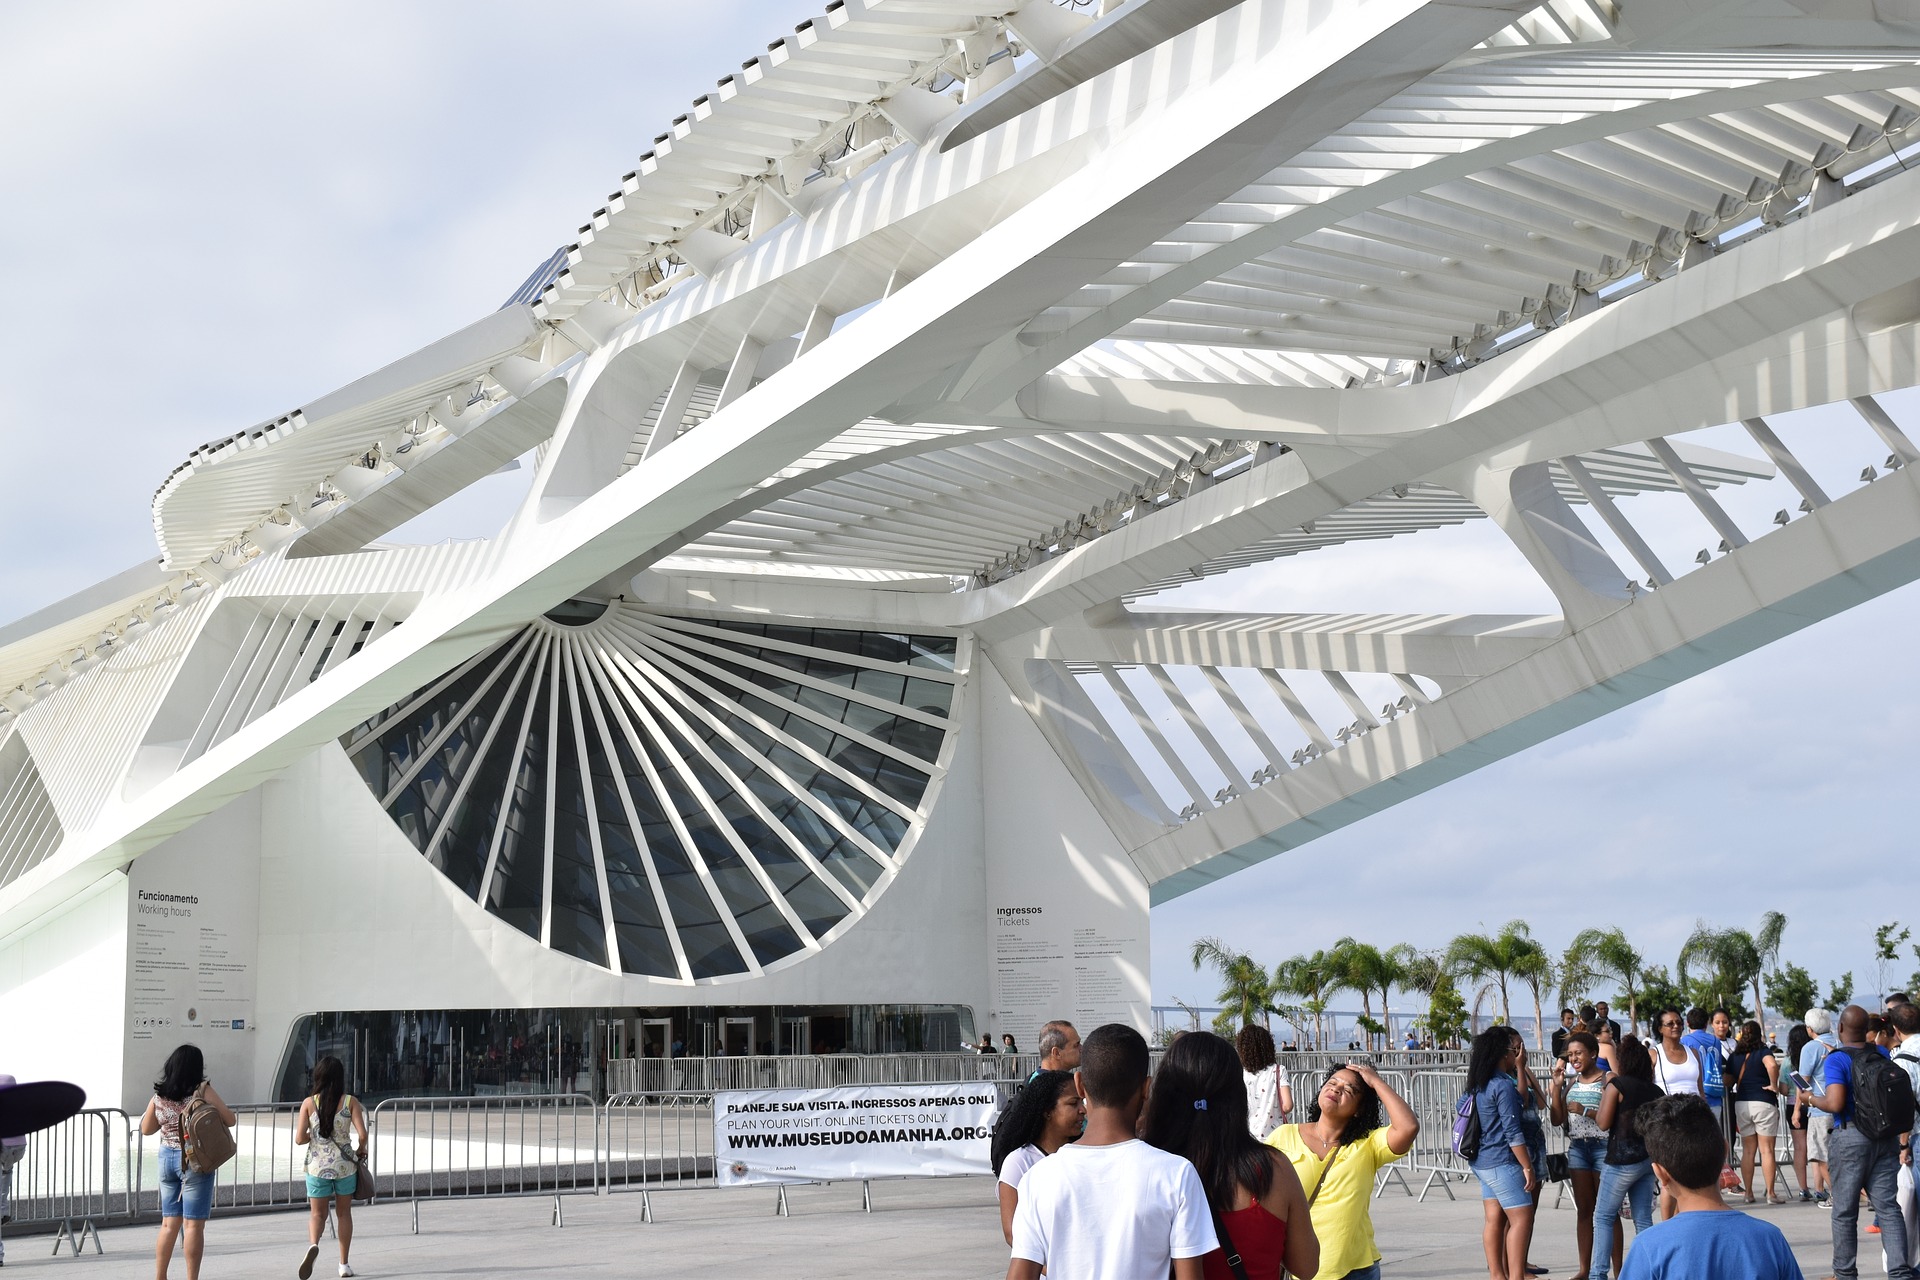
x,y
206,1142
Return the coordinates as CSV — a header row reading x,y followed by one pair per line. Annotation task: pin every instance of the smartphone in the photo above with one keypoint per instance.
x,y
1800,1082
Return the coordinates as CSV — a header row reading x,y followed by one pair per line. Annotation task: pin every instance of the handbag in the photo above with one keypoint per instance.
x,y
363,1187
1557,1170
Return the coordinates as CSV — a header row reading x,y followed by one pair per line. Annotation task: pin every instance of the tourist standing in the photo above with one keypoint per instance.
x,y
1356,1124
186,1197
1578,1088
1602,1033
1044,1116
1858,1161
1600,1012
1269,1088
1059,1047
1111,1207
330,1125
1007,1045
1705,1045
1721,1024
1568,1025
1627,1176
1505,1163
1905,1020
1753,1076
1705,1237
1797,1039
1812,1063
1198,1110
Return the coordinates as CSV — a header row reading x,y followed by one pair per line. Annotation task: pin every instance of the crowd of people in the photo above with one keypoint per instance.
x,y
1202,1170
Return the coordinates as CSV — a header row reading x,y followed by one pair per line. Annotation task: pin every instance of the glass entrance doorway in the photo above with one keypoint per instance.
x,y
736,1036
796,1036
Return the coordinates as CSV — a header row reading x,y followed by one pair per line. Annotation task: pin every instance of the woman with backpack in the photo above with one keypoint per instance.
x,y
1626,1177
186,1195
1504,1162
330,1120
1198,1110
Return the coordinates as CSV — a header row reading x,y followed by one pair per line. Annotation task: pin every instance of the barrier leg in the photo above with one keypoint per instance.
x,y
866,1196
646,1206
559,1218
1391,1174
416,1217
780,1205
88,1230
1446,1185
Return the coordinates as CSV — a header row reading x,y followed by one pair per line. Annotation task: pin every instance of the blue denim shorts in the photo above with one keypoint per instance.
x,y
1506,1183
1369,1272
1586,1153
183,1193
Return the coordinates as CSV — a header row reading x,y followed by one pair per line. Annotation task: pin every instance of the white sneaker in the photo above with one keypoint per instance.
x,y
345,1270
306,1261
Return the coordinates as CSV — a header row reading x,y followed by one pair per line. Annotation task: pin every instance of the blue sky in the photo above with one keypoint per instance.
x,y
218,211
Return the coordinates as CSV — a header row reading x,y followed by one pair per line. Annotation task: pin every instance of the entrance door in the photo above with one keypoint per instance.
x,y
736,1036
796,1036
656,1037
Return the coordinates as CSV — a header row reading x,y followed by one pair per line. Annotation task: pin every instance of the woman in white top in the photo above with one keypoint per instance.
x,y
1269,1092
1045,1116
1676,1067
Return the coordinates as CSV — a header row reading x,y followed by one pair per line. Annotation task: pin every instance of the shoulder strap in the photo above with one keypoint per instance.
x,y
1234,1263
1327,1169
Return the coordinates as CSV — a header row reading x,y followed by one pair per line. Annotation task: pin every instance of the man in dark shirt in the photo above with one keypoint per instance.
x,y
1561,1032
1856,1162
1600,1012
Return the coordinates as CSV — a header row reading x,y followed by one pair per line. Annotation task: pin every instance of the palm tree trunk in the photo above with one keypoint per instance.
x,y
1759,1010
1506,1009
1539,1023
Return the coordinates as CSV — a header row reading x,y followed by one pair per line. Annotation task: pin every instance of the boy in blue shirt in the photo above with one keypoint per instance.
x,y
1704,1237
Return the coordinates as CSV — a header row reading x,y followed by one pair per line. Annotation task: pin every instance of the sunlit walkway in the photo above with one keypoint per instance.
x,y
926,1229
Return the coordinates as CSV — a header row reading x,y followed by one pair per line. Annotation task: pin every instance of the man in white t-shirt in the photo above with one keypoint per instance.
x,y
1110,1207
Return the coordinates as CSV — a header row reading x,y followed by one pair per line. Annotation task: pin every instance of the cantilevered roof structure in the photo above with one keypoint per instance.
x,y
898,381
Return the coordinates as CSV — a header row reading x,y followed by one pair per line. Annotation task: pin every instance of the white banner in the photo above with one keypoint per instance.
x,y
855,1131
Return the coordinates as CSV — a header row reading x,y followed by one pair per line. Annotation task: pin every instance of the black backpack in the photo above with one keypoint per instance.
x,y
1882,1095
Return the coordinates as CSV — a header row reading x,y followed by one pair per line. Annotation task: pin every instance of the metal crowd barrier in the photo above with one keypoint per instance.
x,y
463,1148
655,1140
96,1169
76,1175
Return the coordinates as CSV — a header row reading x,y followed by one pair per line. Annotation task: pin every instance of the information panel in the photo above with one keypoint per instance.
x,y
763,1136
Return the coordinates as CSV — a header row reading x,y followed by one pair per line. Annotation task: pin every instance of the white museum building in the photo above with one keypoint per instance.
x,y
837,686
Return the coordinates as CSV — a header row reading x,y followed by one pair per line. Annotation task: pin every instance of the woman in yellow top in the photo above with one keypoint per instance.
x,y
1355,1124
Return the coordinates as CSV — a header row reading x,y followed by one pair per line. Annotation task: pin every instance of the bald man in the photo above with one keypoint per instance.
x,y
1856,1162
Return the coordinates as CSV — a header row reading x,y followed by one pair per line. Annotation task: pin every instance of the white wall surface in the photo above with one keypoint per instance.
x,y
63,994
191,965
1069,934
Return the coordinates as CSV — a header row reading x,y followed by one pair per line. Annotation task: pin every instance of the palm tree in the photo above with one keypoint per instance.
x,y
1494,960
1364,968
1245,989
1310,977
1537,970
1730,956
1773,927
1607,953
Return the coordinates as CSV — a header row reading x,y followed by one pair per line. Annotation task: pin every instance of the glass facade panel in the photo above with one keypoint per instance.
x,y
593,1051
629,771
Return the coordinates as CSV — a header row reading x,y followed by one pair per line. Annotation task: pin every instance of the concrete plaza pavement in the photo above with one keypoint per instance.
x,y
917,1228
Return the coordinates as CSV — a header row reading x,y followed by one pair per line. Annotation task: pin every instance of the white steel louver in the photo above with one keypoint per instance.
x,y
666,797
